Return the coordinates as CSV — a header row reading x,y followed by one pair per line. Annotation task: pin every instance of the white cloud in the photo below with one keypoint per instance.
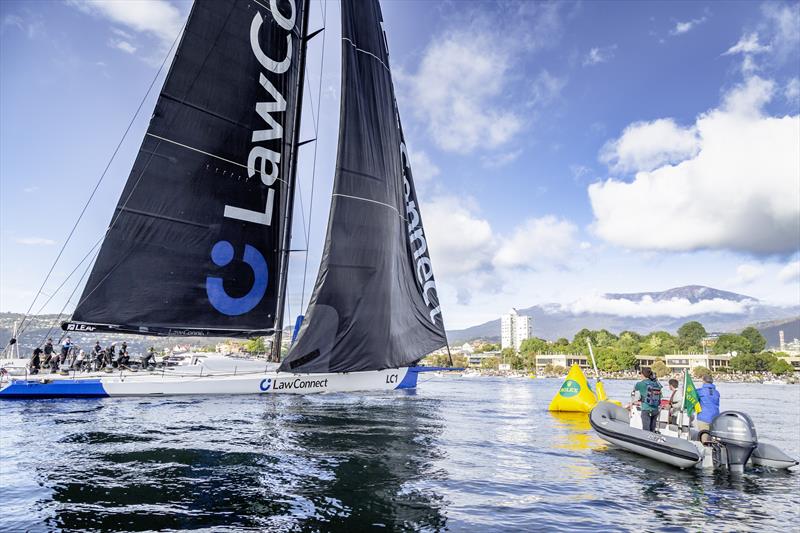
x,y
783,24
647,307
597,55
422,168
747,273
685,27
31,189
35,241
747,44
537,243
546,88
125,46
501,159
790,273
792,91
579,171
458,91
32,25
739,192
157,17
460,240
648,145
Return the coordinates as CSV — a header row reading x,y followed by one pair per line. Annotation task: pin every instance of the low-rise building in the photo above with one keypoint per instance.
x,y
693,360
565,360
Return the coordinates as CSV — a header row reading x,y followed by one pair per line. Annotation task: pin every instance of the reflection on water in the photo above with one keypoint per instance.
x,y
459,454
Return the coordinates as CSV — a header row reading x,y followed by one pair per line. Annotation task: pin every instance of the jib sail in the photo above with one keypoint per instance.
x,y
374,304
193,245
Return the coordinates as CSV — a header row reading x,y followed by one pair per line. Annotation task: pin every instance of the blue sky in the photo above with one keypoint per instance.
x,y
562,150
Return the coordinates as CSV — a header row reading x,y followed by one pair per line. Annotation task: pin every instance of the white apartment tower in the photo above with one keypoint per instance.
x,y
515,328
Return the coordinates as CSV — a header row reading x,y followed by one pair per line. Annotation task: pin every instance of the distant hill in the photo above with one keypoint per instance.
x,y
551,321
770,330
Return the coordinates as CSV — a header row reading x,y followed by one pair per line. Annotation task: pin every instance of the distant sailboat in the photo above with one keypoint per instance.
x,y
199,242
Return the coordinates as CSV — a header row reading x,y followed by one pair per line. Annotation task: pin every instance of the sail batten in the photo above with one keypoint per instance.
x,y
194,243
374,304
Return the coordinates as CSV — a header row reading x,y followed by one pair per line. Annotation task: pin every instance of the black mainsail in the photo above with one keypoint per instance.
x,y
193,247
374,304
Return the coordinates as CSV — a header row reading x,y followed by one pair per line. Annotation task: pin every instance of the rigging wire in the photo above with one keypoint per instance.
x,y
316,144
100,180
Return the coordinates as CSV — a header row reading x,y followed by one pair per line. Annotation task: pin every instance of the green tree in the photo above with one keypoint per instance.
x,y
780,368
533,345
460,361
730,342
562,342
490,363
517,362
255,345
700,371
660,368
756,339
578,344
625,360
603,338
608,359
659,343
629,342
690,335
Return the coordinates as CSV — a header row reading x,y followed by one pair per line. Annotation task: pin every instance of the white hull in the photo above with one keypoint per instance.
x,y
159,383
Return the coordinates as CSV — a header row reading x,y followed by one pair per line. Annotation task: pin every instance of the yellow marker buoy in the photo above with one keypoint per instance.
x,y
574,395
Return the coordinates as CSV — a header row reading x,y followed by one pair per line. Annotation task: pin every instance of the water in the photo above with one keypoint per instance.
x,y
459,454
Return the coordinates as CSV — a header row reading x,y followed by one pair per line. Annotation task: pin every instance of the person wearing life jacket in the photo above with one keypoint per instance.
x,y
649,392
65,348
671,403
709,403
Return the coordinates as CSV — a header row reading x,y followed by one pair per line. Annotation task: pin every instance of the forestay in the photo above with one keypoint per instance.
x,y
193,246
374,304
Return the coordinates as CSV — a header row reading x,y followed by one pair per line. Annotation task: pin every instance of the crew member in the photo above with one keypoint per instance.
x,y
709,403
671,403
48,352
65,348
36,360
150,358
649,392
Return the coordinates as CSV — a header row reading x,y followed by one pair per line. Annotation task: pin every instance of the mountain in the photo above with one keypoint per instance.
x,y
551,321
692,293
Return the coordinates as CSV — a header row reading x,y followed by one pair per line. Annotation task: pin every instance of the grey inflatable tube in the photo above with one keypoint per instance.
x,y
612,423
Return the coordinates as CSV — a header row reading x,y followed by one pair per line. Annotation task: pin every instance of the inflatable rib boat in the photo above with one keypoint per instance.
x,y
732,441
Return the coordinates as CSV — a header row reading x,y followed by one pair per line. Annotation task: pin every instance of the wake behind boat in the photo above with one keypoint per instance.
x,y
200,240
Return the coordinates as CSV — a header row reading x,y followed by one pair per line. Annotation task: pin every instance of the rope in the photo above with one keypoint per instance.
x,y
99,181
316,144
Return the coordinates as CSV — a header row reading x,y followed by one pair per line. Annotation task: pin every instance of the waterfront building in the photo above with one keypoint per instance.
x,y
515,328
689,361
560,359
475,359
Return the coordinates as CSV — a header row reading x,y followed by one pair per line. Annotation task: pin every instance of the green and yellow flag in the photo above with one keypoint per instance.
x,y
691,401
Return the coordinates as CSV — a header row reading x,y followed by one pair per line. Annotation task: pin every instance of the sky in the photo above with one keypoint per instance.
x,y
561,150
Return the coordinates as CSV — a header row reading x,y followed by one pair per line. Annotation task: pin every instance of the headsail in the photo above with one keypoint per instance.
x,y
193,246
374,304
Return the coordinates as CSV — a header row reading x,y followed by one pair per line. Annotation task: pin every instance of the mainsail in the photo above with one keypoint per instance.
x,y
193,246
374,304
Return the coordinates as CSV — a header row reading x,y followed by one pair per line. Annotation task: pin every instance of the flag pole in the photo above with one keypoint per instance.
x,y
683,400
601,391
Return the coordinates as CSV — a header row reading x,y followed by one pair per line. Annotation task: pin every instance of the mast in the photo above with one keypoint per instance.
x,y
286,239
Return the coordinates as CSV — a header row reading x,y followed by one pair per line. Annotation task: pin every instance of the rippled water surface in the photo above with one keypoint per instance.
x,y
473,454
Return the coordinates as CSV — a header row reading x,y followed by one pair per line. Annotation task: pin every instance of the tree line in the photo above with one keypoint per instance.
x,y
616,353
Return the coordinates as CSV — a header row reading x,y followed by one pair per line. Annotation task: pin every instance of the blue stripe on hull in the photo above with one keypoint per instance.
x,y
60,388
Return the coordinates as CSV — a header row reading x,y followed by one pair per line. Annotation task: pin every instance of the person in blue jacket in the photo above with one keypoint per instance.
x,y
709,403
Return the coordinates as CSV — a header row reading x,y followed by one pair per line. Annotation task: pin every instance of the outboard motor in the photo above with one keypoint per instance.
x,y
736,433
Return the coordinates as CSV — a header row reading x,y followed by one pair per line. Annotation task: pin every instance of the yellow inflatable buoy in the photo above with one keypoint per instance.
x,y
574,395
